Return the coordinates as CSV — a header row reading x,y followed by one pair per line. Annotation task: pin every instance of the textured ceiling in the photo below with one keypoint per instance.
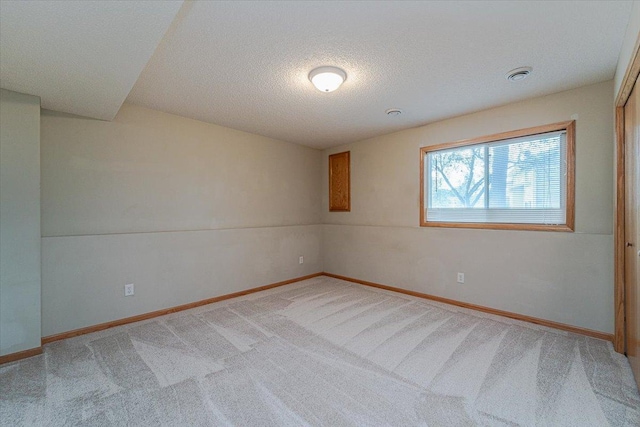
x,y
80,57
245,64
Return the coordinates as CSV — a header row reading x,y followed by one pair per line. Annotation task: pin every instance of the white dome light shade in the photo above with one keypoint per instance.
x,y
327,79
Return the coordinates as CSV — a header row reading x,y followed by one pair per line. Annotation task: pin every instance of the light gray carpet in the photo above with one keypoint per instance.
x,y
323,352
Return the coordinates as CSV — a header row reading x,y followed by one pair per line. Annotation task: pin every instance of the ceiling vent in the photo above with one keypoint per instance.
x,y
519,74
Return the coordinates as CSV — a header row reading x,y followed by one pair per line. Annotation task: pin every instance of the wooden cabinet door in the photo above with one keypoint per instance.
x,y
632,228
340,182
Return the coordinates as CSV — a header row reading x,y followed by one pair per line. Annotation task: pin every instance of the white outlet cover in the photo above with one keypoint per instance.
x,y
301,260
460,277
129,290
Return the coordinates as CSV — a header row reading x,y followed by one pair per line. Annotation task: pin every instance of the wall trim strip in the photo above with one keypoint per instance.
x,y
537,321
12,357
150,315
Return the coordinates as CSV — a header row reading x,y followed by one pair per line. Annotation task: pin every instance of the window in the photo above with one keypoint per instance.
x,y
515,180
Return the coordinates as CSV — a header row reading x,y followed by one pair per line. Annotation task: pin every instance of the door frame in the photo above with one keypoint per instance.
x,y
630,77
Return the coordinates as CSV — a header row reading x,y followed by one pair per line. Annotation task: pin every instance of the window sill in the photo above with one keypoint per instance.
x,y
498,226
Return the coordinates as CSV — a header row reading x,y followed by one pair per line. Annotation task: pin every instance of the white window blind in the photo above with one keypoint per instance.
x,y
516,181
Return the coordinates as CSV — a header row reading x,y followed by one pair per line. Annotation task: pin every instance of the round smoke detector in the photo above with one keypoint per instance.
x,y
393,112
519,74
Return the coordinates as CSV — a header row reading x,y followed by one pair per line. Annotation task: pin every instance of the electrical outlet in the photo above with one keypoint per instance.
x,y
129,290
301,260
460,277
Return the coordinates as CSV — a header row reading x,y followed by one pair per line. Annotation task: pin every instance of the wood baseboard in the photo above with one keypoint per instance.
x,y
12,357
150,315
537,321
102,326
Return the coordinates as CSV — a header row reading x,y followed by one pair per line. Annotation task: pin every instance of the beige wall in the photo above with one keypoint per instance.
x,y
183,209
150,171
19,222
563,277
188,210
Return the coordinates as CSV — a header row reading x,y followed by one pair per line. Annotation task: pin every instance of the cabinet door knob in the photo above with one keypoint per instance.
x,y
629,244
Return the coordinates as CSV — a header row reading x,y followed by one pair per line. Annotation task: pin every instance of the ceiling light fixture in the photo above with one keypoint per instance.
x,y
327,79
519,74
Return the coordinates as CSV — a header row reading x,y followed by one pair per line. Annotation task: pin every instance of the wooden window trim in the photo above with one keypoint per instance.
x,y
341,186
568,126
